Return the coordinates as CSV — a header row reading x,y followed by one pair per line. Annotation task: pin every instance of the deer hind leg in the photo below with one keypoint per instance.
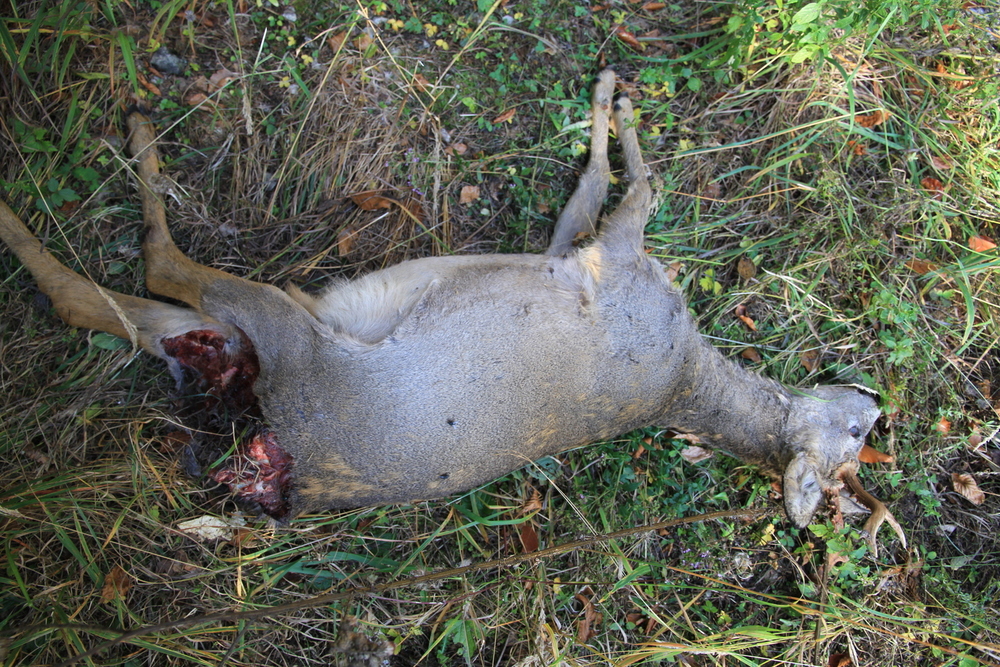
x,y
81,303
580,214
168,271
622,231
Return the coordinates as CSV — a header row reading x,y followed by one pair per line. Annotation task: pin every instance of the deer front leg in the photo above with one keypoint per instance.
x,y
81,303
168,271
623,229
581,211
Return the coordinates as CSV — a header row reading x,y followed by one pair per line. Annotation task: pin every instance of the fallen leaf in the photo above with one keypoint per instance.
x,y
933,185
695,454
116,584
414,208
627,38
207,528
345,240
871,455
857,147
941,162
456,149
469,194
505,116
751,354
363,41
674,270
873,119
370,200
532,504
920,267
741,315
591,618
746,268
529,538
810,360
981,244
713,191
421,82
639,451
150,87
943,426
839,660
653,6
220,78
967,487
337,41
194,99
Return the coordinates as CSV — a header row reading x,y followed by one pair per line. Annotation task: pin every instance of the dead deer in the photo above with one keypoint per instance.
x,y
438,375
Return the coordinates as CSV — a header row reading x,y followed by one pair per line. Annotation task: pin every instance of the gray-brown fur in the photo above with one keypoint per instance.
x,y
437,375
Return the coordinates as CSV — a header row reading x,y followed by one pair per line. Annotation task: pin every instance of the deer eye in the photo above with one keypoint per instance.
x,y
854,431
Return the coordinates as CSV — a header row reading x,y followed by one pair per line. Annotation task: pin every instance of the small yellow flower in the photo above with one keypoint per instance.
x,y
285,82
430,29
395,24
443,45
307,59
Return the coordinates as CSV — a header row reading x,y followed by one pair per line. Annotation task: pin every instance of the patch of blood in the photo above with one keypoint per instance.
x,y
260,472
225,375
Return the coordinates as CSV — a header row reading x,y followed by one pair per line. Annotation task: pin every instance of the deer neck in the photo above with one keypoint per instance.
x,y
731,409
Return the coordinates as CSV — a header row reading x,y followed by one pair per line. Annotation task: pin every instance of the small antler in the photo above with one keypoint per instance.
x,y
880,512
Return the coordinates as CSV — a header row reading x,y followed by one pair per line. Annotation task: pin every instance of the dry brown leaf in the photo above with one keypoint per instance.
x,y
933,185
941,162
741,315
653,6
591,619
674,270
532,504
839,660
413,206
628,38
639,451
943,426
857,147
469,194
505,116
220,78
151,87
337,41
713,191
920,267
116,584
457,148
345,241
370,200
746,268
529,538
810,360
694,454
873,119
363,41
871,455
751,354
981,244
194,99
967,487
421,82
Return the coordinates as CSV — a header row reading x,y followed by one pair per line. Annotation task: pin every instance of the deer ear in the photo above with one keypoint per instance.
x,y
802,489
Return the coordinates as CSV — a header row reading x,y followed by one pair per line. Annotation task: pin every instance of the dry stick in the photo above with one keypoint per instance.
x,y
499,563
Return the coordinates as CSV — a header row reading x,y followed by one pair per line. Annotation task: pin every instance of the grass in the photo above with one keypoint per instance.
x,y
784,190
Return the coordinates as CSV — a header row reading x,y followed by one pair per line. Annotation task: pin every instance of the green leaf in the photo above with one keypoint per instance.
x,y
807,14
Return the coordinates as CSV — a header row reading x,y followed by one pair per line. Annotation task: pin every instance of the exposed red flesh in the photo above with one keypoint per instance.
x,y
227,376
261,472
